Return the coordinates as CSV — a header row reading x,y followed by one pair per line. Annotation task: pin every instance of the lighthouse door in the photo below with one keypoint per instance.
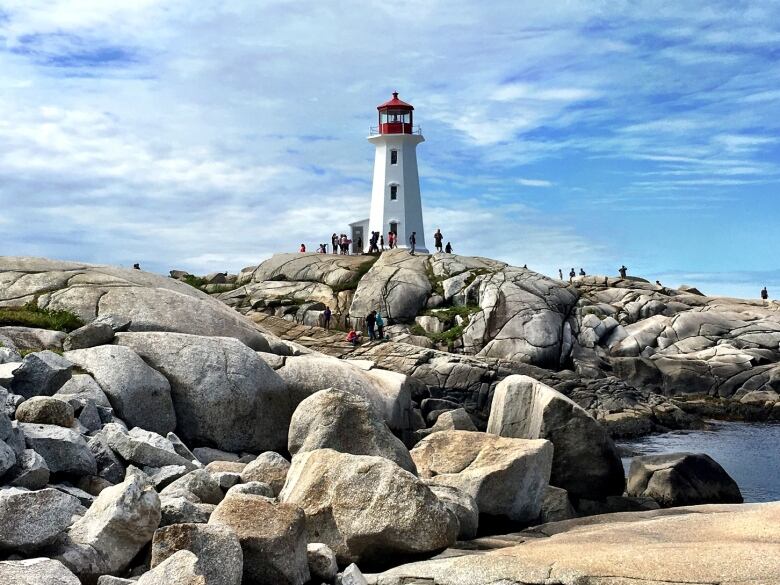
x,y
394,227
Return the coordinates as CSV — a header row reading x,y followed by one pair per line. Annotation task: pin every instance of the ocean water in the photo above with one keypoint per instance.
x,y
749,452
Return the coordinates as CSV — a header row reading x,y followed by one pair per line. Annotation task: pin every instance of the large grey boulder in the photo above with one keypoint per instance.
x,y
30,520
585,461
389,392
180,510
454,420
220,559
45,410
223,392
330,270
140,395
38,571
462,505
682,479
345,422
199,486
556,505
83,387
119,523
8,458
397,284
41,374
30,471
366,508
142,448
90,335
181,568
272,537
322,561
269,468
64,450
109,466
505,476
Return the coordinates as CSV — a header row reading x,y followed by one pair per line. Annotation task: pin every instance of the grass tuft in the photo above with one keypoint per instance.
x,y
30,315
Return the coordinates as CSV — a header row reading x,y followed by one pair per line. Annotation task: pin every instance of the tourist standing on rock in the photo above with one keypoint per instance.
x,y
360,245
370,324
448,248
334,240
560,274
381,242
572,274
322,249
136,266
438,237
582,272
391,239
380,326
303,248
326,315
344,244
623,271
412,242
764,294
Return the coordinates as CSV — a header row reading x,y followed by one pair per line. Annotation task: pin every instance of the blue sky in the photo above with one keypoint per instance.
x,y
208,135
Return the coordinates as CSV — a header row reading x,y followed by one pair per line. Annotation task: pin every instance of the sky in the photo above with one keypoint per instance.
x,y
206,136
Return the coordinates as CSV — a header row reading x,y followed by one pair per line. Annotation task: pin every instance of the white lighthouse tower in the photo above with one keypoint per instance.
x,y
396,205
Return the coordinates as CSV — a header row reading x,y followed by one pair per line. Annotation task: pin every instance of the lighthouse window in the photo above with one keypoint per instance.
x,y
393,192
393,157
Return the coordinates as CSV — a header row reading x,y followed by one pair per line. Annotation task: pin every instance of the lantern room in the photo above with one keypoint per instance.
x,y
395,116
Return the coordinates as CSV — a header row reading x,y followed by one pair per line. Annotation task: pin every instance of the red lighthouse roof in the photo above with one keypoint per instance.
x,y
395,103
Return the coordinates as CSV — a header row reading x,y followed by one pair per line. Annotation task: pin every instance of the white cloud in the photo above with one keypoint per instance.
x,y
534,183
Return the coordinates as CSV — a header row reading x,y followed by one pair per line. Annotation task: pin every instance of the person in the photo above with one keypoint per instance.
x,y
391,239
353,337
658,282
360,244
326,314
136,266
448,248
370,324
623,271
303,248
560,274
381,242
380,325
412,242
322,249
582,272
525,266
572,274
334,240
437,237
764,294
344,244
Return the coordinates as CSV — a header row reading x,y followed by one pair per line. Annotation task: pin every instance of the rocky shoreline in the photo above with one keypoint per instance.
x,y
170,436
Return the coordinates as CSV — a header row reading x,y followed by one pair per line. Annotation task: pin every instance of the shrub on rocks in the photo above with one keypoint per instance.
x,y
585,461
682,479
272,537
220,559
30,520
505,476
367,508
45,410
345,422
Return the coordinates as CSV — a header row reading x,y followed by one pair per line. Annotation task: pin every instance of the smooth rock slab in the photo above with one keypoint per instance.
x,y
366,508
223,392
30,520
272,537
585,461
64,450
38,571
140,395
217,548
505,476
681,479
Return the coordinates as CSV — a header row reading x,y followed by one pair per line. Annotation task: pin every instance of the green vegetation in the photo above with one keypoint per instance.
x,y
221,288
447,316
30,315
436,281
195,281
24,352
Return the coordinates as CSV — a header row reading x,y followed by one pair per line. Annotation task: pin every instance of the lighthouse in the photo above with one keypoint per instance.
x,y
396,205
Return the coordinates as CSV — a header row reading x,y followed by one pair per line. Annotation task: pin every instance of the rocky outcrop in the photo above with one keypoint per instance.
x,y
367,509
712,544
585,460
682,479
223,393
345,422
506,477
149,301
